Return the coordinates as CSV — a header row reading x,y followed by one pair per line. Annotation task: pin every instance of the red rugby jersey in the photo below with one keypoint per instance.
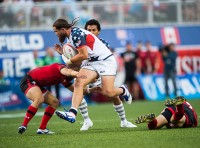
x,y
50,75
194,112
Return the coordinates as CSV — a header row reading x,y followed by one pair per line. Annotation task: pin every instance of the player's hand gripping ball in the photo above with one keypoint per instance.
x,y
69,51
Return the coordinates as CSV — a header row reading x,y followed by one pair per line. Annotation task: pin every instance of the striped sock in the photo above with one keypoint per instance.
x,y
31,111
83,109
49,111
120,111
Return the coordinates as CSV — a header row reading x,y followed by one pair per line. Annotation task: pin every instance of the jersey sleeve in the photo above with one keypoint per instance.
x,y
105,42
67,80
61,66
78,37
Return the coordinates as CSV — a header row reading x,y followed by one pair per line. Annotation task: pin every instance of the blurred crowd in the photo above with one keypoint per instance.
x,y
36,13
144,59
155,1
141,59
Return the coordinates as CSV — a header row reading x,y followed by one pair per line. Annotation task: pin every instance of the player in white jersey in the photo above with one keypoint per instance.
x,y
94,27
99,61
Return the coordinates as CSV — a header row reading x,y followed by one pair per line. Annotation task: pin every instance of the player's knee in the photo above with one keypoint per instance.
x,y
54,103
108,93
38,101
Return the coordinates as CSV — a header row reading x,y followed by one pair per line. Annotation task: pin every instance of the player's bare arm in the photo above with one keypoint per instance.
x,y
69,72
81,56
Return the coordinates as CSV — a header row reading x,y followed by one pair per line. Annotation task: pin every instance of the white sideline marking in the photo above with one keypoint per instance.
x,y
54,122
18,115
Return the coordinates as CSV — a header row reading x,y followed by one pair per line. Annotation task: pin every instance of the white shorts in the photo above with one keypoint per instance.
x,y
106,67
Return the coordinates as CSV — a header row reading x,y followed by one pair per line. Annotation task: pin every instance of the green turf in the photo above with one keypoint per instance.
x,y
106,132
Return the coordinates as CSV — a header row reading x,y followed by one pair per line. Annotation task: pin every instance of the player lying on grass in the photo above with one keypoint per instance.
x,y
33,84
178,113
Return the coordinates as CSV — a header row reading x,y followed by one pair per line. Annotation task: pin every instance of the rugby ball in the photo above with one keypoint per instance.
x,y
69,51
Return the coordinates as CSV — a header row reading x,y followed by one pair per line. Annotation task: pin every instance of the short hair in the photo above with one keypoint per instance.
x,y
93,22
62,23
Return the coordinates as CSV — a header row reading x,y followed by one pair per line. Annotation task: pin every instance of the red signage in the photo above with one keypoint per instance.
x,y
188,60
170,35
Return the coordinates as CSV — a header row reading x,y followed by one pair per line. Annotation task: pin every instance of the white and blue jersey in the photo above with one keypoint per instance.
x,y
97,50
105,42
100,57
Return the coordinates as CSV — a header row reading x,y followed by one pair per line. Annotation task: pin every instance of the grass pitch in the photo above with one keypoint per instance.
x,y
106,132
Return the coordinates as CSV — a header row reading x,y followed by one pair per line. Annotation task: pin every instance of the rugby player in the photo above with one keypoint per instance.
x,y
98,61
94,27
178,113
33,83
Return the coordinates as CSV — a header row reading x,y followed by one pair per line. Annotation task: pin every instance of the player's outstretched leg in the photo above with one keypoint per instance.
x,y
126,94
145,118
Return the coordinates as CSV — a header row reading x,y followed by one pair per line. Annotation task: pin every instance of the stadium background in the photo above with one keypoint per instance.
x,y
27,25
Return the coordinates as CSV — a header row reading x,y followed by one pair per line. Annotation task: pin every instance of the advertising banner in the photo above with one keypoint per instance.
x,y
153,86
11,96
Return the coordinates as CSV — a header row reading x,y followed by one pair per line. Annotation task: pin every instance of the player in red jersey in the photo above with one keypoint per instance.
x,y
33,83
178,113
